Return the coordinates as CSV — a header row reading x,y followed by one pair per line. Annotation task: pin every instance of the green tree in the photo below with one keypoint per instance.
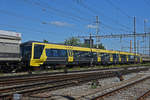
x,y
45,41
76,42
72,41
100,46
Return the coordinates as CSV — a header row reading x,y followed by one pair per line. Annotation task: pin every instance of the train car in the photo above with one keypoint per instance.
x,y
38,54
9,50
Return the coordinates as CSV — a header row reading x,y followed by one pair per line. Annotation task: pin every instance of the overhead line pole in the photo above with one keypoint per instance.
x,y
138,47
130,46
97,31
134,32
144,39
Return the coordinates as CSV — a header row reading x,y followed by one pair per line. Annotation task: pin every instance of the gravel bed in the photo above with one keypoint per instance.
x,y
131,93
147,98
75,92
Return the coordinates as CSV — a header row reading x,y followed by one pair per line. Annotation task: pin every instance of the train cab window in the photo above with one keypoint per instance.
x,y
38,49
26,52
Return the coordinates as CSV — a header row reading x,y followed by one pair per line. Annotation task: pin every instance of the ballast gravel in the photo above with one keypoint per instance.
x,y
79,92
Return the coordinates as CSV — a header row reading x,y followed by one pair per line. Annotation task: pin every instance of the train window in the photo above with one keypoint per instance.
x,y
82,54
123,57
63,53
85,54
76,53
105,56
26,52
38,49
56,53
94,54
131,57
115,56
49,53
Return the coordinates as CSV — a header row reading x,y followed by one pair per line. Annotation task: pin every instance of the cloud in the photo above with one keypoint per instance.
x,y
91,26
59,23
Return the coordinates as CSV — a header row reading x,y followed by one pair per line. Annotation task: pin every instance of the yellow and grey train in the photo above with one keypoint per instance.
x,y
38,54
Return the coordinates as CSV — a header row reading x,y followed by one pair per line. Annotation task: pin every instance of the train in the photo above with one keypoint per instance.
x,y
39,55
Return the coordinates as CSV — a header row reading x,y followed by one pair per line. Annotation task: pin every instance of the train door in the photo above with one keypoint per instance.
x,y
115,58
98,57
141,59
70,54
119,58
93,58
111,58
127,58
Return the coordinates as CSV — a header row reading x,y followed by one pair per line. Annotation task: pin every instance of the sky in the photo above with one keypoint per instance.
x,y
57,20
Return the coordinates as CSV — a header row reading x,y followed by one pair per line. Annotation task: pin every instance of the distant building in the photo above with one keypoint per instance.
x,y
88,42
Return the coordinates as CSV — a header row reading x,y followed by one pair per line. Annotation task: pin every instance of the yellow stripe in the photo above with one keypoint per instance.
x,y
38,62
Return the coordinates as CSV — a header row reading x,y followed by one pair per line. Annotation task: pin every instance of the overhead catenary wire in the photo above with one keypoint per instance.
x,y
41,21
26,28
75,18
104,25
62,13
30,18
76,9
119,9
147,2
98,12
113,28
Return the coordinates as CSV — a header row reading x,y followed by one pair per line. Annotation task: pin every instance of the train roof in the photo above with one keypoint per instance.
x,y
83,48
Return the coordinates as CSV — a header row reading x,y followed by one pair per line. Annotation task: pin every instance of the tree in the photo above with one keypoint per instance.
x,y
45,41
72,41
100,46
76,42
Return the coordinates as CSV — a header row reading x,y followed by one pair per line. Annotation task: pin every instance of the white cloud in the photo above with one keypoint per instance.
x,y
91,26
59,23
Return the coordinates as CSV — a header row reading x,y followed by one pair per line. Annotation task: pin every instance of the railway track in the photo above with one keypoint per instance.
x,y
52,83
31,85
144,96
14,80
54,73
128,90
25,80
